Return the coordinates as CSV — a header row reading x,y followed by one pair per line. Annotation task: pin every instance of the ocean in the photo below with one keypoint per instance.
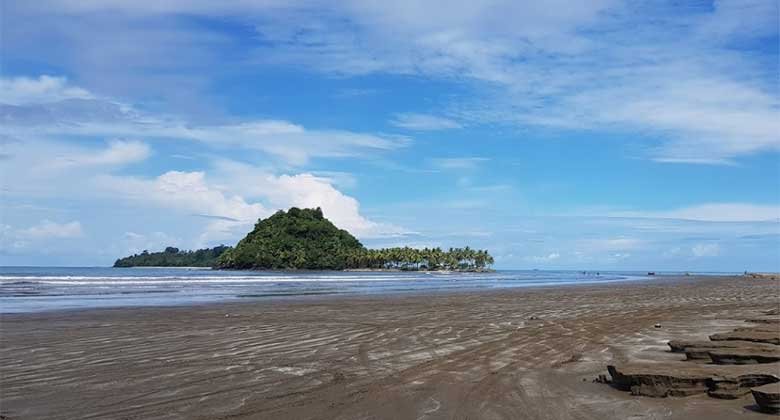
x,y
36,289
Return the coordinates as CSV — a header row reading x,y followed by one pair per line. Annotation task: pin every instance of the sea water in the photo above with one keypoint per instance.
x,y
35,289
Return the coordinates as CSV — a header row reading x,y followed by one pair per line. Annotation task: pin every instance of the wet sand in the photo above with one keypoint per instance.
x,y
503,354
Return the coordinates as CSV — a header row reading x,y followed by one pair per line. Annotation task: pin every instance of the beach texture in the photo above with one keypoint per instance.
x,y
529,353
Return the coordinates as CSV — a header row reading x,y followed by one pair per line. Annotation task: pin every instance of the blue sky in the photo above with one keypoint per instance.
x,y
587,135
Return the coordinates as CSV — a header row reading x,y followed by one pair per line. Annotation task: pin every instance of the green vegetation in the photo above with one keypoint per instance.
x,y
456,259
297,239
303,239
173,257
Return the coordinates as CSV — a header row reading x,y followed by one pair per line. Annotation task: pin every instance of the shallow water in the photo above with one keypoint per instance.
x,y
35,289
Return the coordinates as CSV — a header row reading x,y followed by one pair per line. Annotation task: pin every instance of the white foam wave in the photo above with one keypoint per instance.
x,y
127,280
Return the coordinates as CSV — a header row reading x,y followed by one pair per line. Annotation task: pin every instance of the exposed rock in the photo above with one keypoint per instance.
x,y
759,336
770,320
760,327
764,276
682,379
698,353
744,356
768,397
682,346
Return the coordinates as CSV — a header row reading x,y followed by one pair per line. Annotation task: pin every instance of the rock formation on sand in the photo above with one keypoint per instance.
x,y
683,346
730,365
755,335
744,356
768,320
768,397
680,379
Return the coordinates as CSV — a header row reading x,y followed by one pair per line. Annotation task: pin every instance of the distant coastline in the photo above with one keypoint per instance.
x,y
168,267
399,270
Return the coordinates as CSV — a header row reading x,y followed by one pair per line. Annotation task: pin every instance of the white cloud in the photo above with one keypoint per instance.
x,y
189,193
301,190
713,212
25,90
63,169
677,81
306,190
117,153
600,245
459,163
544,258
51,230
239,194
706,250
670,74
424,122
289,142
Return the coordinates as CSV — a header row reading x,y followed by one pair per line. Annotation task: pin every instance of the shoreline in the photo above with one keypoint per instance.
x,y
293,270
313,297
506,353
159,267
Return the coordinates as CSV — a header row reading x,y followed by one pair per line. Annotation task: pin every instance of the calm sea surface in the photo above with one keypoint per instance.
x,y
34,289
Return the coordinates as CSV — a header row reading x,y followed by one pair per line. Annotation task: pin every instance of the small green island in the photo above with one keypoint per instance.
x,y
303,239
174,257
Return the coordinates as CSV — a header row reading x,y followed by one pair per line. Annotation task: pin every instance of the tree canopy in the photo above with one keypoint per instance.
x,y
173,257
296,239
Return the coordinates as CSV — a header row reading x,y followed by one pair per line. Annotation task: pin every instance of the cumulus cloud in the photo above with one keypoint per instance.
x,y
239,194
424,122
189,192
301,190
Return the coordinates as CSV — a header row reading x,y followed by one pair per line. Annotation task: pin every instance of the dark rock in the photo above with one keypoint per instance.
x,y
755,335
761,328
744,356
768,397
682,346
698,353
678,379
773,320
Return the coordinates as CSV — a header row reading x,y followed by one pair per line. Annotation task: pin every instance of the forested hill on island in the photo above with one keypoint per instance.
x,y
305,239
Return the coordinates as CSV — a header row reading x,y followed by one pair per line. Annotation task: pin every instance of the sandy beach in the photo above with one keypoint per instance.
x,y
528,353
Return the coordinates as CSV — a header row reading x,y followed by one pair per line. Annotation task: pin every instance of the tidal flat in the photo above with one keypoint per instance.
x,y
530,353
